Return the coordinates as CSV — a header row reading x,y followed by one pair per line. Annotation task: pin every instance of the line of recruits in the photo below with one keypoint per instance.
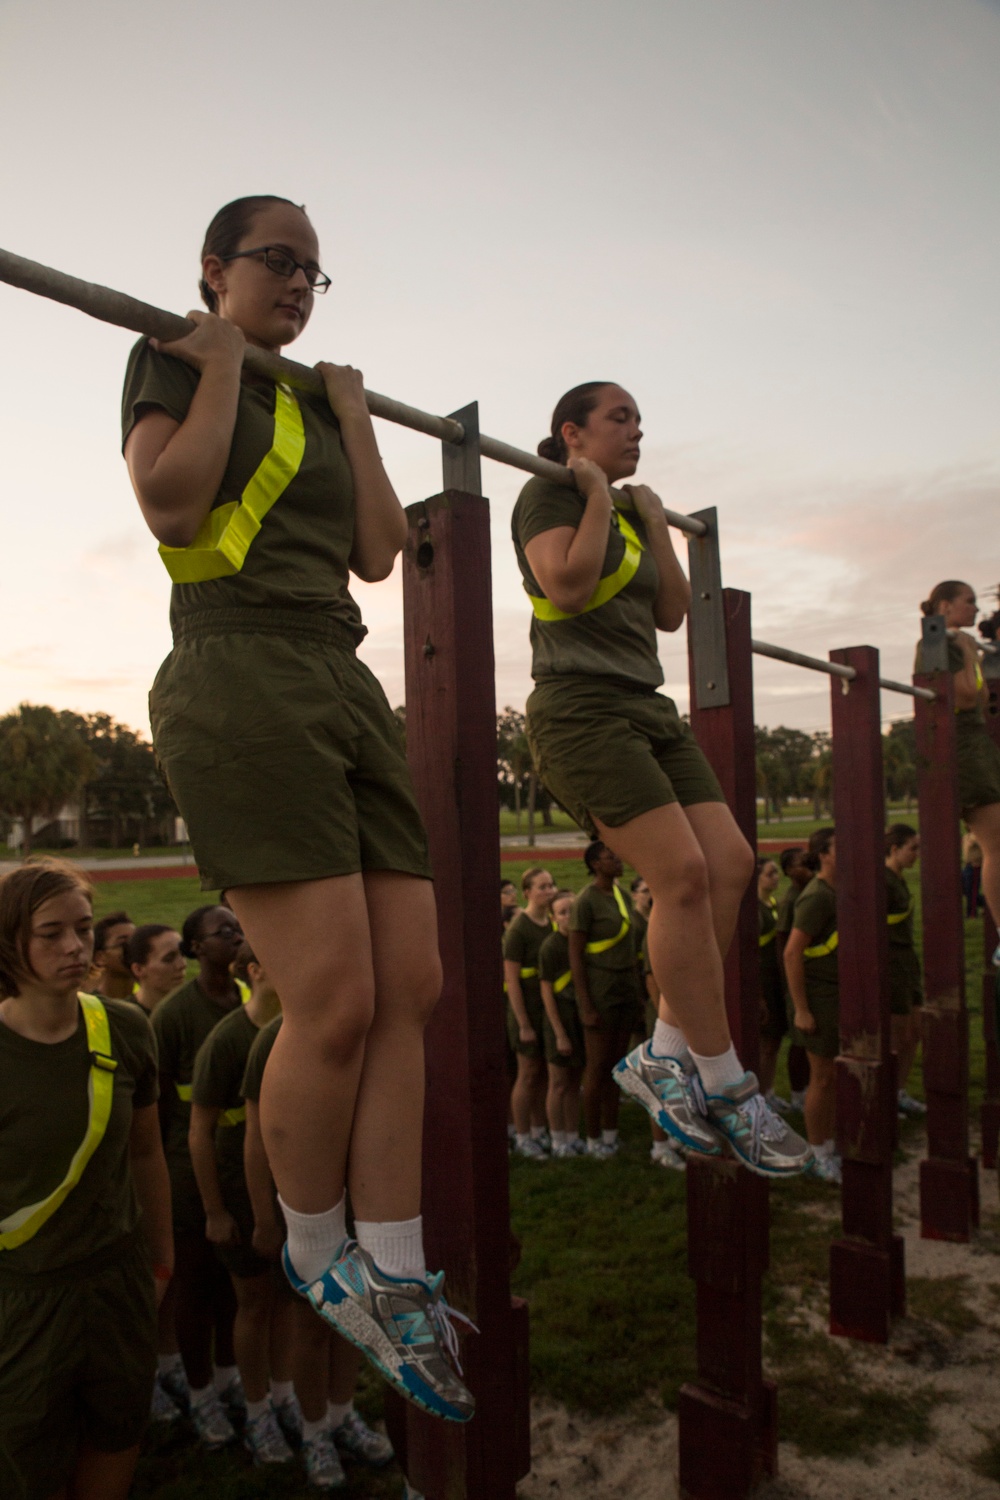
x,y
579,988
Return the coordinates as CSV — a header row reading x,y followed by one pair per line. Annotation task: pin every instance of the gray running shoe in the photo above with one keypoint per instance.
x,y
825,1169
912,1108
598,1151
355,1439
175,1383
213,1427
670,1093
265,1440
323,1467
530,1149
161,1408
757,1137
289,1415
668,1156
233,1398
409,1493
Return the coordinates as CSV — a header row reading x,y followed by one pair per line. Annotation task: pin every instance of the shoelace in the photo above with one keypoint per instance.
x,y
441,1315
763,1122
697,1092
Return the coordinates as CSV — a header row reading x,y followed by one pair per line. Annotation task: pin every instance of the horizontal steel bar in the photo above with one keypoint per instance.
x,y
907,689
109,306
796,659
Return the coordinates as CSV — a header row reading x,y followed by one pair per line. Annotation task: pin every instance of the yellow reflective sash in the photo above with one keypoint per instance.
x,y
767,937
225,535
895,917
529,973
607,588
20,1226
244,990
822,949
603,944
564,979
233,1116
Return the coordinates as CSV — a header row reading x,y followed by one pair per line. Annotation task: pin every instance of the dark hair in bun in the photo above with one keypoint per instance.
x,y
575,407
231,223
942,593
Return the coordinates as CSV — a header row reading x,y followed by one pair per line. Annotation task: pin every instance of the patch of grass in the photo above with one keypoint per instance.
x,y
152,900
944,1300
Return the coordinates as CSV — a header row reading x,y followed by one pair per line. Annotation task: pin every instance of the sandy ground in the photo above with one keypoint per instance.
x,y
615,1459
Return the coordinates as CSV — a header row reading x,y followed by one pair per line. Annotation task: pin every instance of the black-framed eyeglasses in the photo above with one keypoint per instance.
x,y
282,264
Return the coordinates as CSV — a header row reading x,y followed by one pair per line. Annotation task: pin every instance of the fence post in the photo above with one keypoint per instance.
x,y
867,1279
989,1113
949,1181
727,1418
451,747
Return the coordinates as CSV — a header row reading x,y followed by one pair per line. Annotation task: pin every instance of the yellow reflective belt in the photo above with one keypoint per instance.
x,y
604,944
183,1092
822,949
895,917
767,937
529,973
564,979
233,1116
26,1222
607,588
225,535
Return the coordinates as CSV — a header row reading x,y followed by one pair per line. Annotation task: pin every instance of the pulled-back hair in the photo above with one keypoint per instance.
x,y
140,944
104,926
942,593
223,235
592,854
240,965
530,876
819,843
788,857
22,892
575,407
191,931
897,835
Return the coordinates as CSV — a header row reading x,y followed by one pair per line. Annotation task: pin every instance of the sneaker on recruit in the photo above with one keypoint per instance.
x,y
324,1470
914,1108
783,1106
213,1427
562,1151
670,1093
757,1137
355,1439
667,1156
402,1324
530,1149
162,1408
233,1398
544,1140
578,1146
598,1150
175,1383
409,1493
289,1415
264,1439
825,1169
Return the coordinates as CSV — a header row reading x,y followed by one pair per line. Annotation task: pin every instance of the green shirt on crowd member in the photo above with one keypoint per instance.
x,y
44,1112
786,908
598,916
180,1024
257,1060
553,963
522,943
767,922
218,1076
898,900
816,916
300,557
618,639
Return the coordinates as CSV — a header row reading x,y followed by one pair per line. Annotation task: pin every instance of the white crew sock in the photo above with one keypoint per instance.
x,y
314,1239
560,1137
668,1041
257,1409
223,1376
203,1394
282,1390
660,1148
167,1363
828,1148
335,1414
312,1430
537,1132
521,1140
397,1248
609,1137
718,1073
593,1140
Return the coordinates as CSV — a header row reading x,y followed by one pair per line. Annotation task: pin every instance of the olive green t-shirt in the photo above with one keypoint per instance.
x,y
898,900
786,908
218,1075
44,1110
300,557
618,639
257,1061
767,925
596,914
816,916
553,963
965,718
522,944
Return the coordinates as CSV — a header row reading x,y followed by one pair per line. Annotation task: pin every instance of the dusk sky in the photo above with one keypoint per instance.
x,y
776,223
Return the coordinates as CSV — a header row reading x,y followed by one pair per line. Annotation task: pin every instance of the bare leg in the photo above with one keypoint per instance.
x,y
252,1332
344,1362
821,1100
601,1057
571,1101
310,1360
530,1075
612,1096
197,1276
103,1476
555,1099
282,1337
984,822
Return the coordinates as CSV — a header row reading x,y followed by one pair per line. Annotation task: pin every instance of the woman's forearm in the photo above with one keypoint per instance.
x,y
512,974
380,524
152,1187
673,597
201,1143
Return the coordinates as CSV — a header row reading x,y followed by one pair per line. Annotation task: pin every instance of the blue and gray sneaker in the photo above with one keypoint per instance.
x,y
403,1326
757,1136
670,1093
355,1439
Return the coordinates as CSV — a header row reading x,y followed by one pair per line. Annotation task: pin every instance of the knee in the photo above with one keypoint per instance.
x,y
336,1025
687,884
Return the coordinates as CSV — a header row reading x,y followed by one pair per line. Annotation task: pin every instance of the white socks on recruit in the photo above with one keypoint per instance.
x,y
668,1041
336,1414
167,1363
717,1073
312,1430
397,1248
314,1239
282,1390
257,1409
609,1137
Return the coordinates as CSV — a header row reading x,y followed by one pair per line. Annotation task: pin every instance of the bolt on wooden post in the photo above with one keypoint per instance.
x,y
451,747
949,1181
728,1437
867,1280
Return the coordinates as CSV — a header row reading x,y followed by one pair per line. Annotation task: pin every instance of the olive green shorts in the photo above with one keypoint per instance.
x,y
186,1208
774,1011
978,760
536,1015
905,989
281,752
612,750
241,1259
77,1360
615,996
569,1015
825,1040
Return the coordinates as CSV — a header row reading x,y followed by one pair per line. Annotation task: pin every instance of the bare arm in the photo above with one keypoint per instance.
x,y
220,1226
795,974
577,945
567,560
176,468
968,694
268,1235
673,597
380,525
563,1043
512,976
152,1188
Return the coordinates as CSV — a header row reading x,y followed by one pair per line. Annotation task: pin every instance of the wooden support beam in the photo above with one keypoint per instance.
x,y
451,747
989,1112
949,1182
867,1286
728,1417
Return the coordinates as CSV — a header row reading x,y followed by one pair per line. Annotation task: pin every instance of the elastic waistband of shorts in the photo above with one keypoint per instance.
x,y
581,682
289,624
119,1252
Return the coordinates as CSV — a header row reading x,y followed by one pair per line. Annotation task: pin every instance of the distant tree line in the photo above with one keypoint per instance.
x,y
793,765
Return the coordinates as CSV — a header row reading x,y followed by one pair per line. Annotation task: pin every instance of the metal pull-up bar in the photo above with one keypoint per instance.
x,y
109,306
834,669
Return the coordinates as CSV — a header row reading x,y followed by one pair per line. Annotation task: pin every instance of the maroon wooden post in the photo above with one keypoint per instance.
x,y
949,1181
989,1113
867,1282
451,746
728,1430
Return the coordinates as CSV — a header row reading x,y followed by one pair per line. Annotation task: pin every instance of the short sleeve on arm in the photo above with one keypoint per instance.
x,y
811,914
257,1061
543,505
513,942
132,1037
210,1088
548,959
155,380
580,916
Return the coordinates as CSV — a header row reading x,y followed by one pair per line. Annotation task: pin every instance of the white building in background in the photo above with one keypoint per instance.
x,y
65,825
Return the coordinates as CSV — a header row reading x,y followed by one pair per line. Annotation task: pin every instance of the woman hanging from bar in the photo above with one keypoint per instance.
x,y
977,755
600,569
286,763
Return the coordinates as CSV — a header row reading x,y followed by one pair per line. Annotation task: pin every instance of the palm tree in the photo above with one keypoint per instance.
x,y
43,763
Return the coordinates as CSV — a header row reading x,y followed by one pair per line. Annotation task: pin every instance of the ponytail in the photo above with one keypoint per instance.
x,y
574,407
942,593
